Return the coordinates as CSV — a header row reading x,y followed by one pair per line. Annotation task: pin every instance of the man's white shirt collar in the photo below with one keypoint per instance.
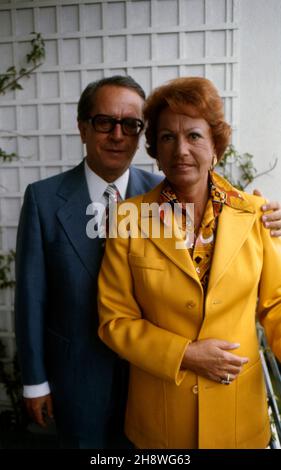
x,y
97,186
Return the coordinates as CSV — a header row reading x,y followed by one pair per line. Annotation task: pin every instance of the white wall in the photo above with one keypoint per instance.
x,y
260,89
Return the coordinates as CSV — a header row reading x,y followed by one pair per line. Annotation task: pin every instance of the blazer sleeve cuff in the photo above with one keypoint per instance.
x,y
181,373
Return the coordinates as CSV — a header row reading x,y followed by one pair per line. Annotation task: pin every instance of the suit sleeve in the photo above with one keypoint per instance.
x,y
269,304
122,327
31,293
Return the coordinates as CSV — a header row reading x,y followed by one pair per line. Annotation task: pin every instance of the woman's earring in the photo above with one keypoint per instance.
x,y
158,164
214,162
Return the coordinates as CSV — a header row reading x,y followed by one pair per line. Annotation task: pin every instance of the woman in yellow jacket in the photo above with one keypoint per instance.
x,y
182,308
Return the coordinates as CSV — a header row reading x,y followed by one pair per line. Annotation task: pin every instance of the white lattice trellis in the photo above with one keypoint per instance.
x,y
152,40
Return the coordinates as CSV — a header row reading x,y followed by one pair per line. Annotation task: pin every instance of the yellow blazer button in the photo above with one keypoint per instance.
x,y
191,304
195,389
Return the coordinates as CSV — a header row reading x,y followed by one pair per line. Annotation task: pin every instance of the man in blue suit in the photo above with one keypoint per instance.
x,y
65,367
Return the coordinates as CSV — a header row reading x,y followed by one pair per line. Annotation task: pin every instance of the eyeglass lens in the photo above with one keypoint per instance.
x,y
103,123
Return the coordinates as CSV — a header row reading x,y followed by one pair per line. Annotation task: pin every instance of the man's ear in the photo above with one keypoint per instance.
x,y
158,164
82,126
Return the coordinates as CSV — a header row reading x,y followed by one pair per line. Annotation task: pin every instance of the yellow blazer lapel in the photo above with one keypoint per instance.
x,y
168,246
233,228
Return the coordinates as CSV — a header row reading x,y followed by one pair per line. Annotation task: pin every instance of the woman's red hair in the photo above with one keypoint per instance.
x,y
198,92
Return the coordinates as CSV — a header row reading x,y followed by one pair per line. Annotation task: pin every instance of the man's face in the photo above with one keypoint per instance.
x,y
110,154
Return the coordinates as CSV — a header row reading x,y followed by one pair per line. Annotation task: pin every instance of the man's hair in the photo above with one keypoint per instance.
x,y
87,98
198,92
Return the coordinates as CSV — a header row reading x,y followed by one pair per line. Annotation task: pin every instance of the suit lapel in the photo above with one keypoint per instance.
x,y
169,246
73,218
233,228
135,186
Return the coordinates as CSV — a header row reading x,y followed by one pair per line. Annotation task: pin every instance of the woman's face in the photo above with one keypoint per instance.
x,y
185,148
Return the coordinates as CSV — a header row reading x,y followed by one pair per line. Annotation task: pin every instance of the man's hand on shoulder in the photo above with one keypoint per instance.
x,y
272,215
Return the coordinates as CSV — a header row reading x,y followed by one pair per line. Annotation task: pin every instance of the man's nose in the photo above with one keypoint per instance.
x,y
117,132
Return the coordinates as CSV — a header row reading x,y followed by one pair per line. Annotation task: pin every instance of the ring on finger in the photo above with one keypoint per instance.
x,y
226,381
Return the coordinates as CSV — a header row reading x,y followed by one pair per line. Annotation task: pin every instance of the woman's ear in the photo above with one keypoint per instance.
x,y
214,161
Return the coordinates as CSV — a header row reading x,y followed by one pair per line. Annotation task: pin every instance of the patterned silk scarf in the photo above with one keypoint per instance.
x,y
220,193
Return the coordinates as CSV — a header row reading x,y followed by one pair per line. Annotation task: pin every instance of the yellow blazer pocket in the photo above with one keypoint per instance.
x,y
148,275
146,263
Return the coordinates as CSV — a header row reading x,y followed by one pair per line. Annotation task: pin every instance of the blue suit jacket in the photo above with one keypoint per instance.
x,y
56,310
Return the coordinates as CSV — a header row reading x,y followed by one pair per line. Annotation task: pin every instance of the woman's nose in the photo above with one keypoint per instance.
x,y
182,146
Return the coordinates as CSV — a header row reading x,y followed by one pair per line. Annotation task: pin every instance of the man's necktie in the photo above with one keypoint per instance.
x,y
111,195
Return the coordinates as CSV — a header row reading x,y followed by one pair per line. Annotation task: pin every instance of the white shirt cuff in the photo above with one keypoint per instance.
x,y
35,391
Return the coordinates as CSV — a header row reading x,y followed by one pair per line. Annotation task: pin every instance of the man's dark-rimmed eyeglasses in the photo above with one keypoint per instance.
x,y
105,124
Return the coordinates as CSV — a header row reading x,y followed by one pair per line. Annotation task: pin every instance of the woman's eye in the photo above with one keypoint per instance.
x,y
194,136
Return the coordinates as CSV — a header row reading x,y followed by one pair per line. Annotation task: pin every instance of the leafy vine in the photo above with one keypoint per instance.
x,y
10,80
239,169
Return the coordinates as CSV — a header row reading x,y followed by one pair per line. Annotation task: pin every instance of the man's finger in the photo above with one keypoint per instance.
x,y
275,233
257,192
271,206
49,405
276,215
39,418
